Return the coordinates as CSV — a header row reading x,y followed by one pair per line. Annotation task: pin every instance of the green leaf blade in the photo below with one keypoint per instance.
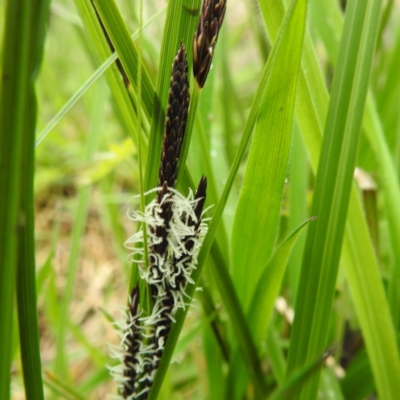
x,y
262,304
127,51
258,210
321,259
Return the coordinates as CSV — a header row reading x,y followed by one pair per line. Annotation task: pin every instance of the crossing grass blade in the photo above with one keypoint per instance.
x,y
62,387
262,304
292,385
127,51
119,92
268,286
80,218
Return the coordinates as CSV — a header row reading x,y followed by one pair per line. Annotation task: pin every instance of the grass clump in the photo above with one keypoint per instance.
x,y
239,171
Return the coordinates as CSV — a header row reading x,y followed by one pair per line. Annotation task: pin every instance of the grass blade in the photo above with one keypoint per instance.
x,y
268,287
126,49
297,193
292,385
358,383
379,140
26,276
61,387
80,218
262,303
374,316
324,240
21,55
92,79
258,211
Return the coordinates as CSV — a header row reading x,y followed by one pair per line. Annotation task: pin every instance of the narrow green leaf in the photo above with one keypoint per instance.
x,y
258,210
374,132
114,81
374,316
80,218
333,186
216,383
211,311
274,349
330,388
122,99
297,194
58,386
262,304
269,284
388,95
126,49
26,274
21,54
358,382
379,142
297,378
390,184
238,318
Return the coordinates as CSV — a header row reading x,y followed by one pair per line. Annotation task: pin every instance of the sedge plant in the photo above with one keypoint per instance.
x,y
199,199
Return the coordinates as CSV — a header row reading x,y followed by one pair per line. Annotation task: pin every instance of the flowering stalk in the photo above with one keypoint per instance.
x,y
174,231
204,42
206,36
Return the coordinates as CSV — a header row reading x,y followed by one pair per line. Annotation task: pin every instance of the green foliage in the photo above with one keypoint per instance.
x,y
299,95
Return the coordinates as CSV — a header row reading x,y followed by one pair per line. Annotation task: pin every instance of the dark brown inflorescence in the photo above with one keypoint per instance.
x,y
175,231
206,36
132,344
175,120
175,124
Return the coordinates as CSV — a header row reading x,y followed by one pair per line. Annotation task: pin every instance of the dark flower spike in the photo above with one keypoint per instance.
x,y
126,373
201,198
167,277
175,231
206,36
175,124
175,121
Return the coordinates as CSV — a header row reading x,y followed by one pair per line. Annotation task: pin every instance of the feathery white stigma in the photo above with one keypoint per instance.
x,y
143,336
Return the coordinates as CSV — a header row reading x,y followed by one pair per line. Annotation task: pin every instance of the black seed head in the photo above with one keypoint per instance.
x,y
201,197
206,36
175,121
